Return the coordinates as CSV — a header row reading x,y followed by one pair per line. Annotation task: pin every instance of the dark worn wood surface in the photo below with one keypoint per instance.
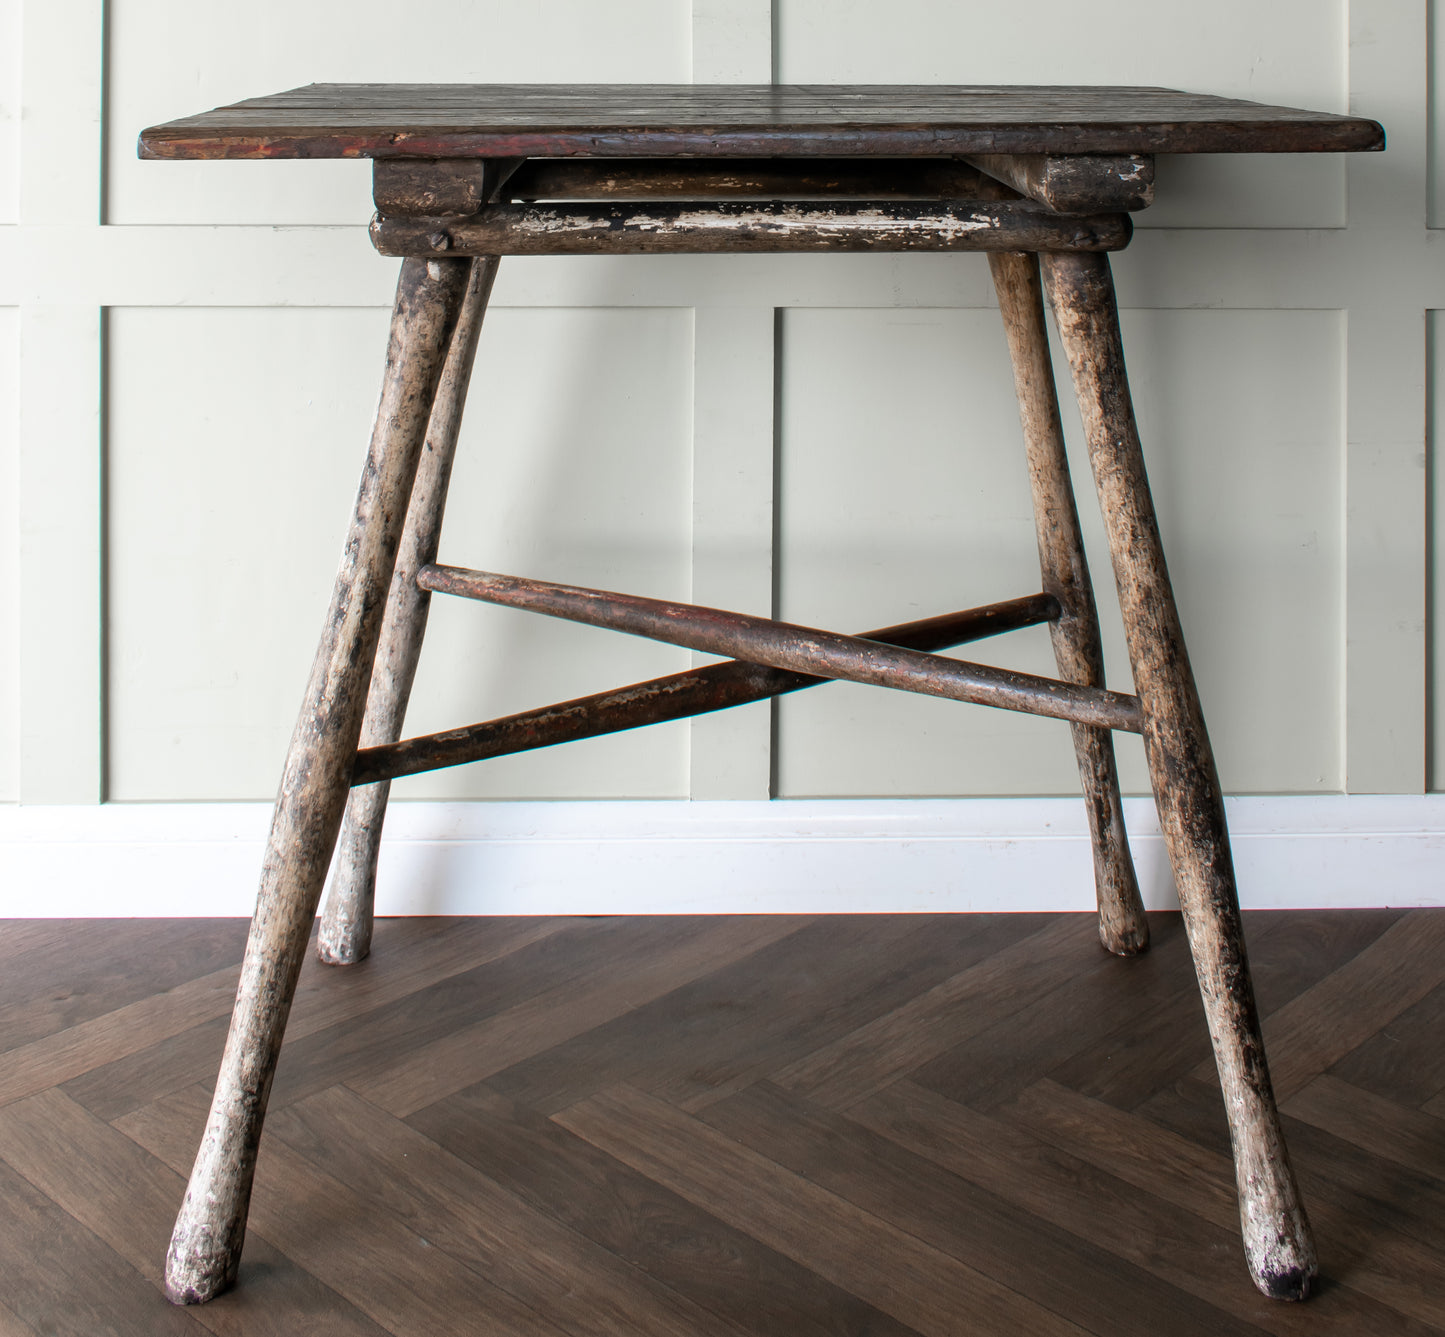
x,y
206,1244
722,1127
623,120
1185,781
345,935
796,649
738,178
733,228
674,697
1077,641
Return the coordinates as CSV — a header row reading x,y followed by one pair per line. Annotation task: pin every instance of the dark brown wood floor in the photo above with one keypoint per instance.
x,y
754,1125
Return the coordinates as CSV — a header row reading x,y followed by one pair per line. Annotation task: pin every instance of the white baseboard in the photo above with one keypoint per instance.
x,y
795,856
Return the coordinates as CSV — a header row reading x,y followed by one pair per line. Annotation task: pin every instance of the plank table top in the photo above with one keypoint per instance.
x,y
700,120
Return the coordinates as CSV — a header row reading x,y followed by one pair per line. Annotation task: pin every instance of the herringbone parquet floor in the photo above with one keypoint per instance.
x,y
752,1125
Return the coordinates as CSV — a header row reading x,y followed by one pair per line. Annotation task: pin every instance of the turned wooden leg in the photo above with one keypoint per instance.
x,y
1277,1239
1078,646
206,1244
345,935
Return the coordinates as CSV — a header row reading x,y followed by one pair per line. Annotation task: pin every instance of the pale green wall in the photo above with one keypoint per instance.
x,y
196,376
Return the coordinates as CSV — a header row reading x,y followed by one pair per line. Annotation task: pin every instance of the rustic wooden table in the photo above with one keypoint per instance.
x,y
1043,180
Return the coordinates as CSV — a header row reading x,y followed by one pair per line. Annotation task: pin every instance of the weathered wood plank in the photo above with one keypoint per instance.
x,y
426,957
127,1030
787,646
722,1268
11,1324
789,226
426,953
344,937
697,120
127,1198
570,1280
1288,952
1077,642
672,697
1075,184
704,1038
1131,1214
738,178
211,1226
370,1043
890,1046
51,981
1406,1136
1405,1064
1182,773
1363,1253
1082,1278
886,1266
616,986
1324,1023
58,1278
390,1272
991,1066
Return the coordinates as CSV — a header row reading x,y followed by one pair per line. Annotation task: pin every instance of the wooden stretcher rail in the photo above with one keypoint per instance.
x,y
675,697
872,225
797,649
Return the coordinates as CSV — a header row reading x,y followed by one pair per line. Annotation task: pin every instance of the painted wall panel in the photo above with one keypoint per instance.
x,y
9,110
903,494
9,555
1291,52
1435,118
229,495
160,69
1435,612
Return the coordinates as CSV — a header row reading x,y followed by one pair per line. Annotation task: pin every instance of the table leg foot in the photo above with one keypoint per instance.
x,y
206,1245
346,922
1277,1237
1078,645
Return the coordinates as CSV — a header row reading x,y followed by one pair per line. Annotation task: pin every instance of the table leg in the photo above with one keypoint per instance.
x,y
1277,1238
1078,646
206,1244
345,935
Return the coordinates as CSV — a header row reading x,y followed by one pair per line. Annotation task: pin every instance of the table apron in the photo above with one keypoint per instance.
x,y
635,229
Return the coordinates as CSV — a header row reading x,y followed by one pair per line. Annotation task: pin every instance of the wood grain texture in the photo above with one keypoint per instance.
x,y
346,921
117,1190
739,178
974,1225
673,696
1075,185
896,1271
1182,773
389,1271
1077,641
727,1269
714,1199
521,1248
1133,1213
617,120
59,1278
89,977
1372,1259
588,1000
767,227
206,1244
1322,1025
1407,1136
786,646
